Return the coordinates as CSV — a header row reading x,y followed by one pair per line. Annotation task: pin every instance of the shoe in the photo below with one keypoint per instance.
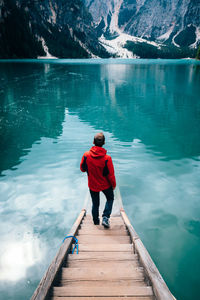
x,y
96,222
105,222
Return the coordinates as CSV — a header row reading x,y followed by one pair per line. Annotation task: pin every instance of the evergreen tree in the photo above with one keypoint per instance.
x,y
198,53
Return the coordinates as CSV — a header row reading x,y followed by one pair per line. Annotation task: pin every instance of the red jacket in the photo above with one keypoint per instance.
x,y
99,168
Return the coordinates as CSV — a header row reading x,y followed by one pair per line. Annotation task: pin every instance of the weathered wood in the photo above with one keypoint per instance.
x,y
133,233
102,232
102,264
106,298
90,226
102,283
45,284
116,239
102,256
106,247
84,291
94,274
159,286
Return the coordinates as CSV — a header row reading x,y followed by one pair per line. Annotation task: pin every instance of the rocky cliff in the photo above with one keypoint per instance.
x,y
99,28
47,28
173,23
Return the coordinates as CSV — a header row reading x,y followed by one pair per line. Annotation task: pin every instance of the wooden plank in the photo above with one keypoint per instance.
x,y
102,283
133,233
106,247
102,256
90,226
43,288
105,298
102,264
159,286
94,274
88,239
86,291
102,232
112,221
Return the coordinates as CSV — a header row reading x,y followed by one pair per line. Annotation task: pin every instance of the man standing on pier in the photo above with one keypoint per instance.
x,y
101,177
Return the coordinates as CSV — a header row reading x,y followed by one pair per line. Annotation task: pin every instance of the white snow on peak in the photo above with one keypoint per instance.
x,y
46,50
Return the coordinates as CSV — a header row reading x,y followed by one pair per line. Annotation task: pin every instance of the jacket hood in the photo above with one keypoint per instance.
x,y
97,152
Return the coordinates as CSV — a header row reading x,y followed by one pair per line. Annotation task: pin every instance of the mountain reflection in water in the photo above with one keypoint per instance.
x,y
49,112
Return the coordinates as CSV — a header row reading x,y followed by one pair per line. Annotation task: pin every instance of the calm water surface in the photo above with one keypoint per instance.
x,y
49,112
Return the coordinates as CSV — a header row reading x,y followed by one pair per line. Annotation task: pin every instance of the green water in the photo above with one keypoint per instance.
x,y
49,112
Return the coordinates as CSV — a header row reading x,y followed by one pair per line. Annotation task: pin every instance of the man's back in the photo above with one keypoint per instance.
x,y
100,169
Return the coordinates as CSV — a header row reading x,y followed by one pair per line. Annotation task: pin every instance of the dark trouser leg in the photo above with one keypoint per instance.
x,y
109,203
95,206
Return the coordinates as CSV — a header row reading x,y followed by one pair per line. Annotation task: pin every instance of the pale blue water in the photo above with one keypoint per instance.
x,y
149,111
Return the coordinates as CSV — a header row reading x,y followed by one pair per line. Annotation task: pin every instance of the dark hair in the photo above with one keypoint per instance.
x,y
99,140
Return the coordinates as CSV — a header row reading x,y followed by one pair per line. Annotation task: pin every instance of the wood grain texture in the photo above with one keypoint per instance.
x,y
106,248
47,280
88,291
106,298
102,264
102,283
160,288
102,274
102,256
111,239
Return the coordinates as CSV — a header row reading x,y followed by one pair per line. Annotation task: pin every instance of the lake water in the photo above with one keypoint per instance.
x,y
149,111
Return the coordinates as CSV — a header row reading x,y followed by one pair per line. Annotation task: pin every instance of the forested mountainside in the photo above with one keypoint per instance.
x,y
99,28
29,29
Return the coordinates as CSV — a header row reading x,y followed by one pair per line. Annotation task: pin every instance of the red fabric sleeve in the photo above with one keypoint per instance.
x,y
111,175
82,160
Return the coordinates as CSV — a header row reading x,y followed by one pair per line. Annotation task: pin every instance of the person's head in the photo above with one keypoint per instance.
x,y
99,139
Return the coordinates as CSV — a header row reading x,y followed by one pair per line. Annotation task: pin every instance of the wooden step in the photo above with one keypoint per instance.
x,y
88,239
102,264
106,247
110,273
102,256
105,298
89,291
91,226
102,283
102,231
112,221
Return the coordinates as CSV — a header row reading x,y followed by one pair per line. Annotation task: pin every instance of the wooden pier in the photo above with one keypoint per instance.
x,y
111,264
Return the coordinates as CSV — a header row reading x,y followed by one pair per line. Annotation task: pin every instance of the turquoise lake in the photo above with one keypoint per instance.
x,y
50,110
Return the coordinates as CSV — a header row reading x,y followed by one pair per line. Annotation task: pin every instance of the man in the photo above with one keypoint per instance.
x,y
101,177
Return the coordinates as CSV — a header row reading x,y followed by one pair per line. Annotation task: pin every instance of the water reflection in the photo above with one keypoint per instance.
x,y
48,116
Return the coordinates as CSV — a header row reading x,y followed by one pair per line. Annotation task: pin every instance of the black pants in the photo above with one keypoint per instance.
x,y
95,204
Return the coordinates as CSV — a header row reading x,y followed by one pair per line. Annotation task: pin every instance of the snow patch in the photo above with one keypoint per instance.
x,y
173,42
116,46
197,32
114,19
46,50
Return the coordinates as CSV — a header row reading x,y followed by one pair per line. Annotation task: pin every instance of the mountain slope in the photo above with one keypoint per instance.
x,y
36,28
